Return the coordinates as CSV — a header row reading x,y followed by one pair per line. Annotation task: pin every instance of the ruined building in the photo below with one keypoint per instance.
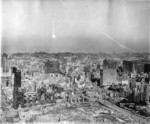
x,y
17,95
51,67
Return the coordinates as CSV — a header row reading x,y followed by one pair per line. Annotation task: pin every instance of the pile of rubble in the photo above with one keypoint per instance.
x,y
72,105
87,113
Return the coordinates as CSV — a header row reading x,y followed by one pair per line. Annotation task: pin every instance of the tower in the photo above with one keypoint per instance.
x,y
101,75
4,62
17,95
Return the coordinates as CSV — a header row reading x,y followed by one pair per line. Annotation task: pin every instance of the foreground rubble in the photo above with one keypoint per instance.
x,y
66,113
87,109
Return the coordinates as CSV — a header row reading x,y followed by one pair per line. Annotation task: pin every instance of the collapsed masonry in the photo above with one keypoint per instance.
x,y
72,92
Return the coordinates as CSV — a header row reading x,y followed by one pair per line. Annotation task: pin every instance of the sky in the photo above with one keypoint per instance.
x,y
75,25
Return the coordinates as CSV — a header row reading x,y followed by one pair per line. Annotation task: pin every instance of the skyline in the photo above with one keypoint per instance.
x,y
75,26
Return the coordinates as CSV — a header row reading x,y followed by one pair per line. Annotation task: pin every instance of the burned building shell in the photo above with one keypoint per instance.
x,y
51,67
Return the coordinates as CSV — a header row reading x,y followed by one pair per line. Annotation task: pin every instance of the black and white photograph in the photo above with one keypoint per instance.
x,y
75,62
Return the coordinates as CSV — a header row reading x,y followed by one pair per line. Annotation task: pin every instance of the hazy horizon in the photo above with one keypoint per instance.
x,y
89,26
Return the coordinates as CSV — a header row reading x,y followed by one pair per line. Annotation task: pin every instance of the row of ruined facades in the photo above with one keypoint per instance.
x,y
76,74
137,73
